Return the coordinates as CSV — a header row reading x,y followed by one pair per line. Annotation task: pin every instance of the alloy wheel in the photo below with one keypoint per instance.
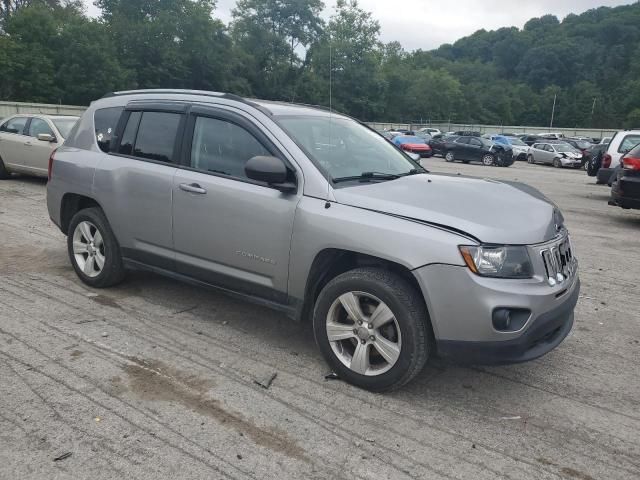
x,y
88,249
487,160
364,334
449,157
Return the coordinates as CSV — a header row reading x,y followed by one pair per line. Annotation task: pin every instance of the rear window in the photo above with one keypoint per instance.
x,y
105,121
628,143
635,152
64,125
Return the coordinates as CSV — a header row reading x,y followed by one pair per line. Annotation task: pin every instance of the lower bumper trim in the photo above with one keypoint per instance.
x,y
545,334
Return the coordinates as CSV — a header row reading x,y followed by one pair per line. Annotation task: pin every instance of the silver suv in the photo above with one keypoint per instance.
x,y
316,215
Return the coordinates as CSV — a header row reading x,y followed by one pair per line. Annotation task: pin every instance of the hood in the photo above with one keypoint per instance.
x,y
489,210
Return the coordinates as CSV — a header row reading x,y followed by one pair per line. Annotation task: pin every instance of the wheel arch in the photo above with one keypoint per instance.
x,y
331,262
71,204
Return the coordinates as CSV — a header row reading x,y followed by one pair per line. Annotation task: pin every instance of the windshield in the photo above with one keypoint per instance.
x,y
517,141
64,125
341,147
560,147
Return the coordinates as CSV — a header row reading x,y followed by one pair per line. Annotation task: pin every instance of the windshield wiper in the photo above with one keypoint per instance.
x,y
367,176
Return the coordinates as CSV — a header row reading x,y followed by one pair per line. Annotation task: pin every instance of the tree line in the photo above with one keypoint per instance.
x,y
52,52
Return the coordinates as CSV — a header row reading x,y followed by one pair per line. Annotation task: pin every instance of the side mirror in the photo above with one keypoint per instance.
x,y
270,170
46,137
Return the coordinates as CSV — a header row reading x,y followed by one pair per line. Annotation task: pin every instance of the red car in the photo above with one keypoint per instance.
x,y
412,144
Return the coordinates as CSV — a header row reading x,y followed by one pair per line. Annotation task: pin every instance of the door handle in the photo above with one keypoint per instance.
x,y
192,188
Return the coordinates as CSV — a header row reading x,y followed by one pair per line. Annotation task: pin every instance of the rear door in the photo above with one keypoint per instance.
x,y
461,150
134,182
12,142
37,152
229,230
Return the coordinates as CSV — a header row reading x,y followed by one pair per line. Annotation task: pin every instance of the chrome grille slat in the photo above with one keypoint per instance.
x,y
558,261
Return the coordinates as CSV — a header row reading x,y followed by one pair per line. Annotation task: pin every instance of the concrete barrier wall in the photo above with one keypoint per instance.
x,y
11,108
452,127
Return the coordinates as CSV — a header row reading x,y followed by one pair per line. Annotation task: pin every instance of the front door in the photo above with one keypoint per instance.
x,y
37,152
475,149
228,230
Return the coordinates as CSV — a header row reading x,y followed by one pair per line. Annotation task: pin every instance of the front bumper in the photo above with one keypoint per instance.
x,y
461,306
571,162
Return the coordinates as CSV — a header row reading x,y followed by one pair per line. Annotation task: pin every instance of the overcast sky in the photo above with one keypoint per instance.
x,y
428,24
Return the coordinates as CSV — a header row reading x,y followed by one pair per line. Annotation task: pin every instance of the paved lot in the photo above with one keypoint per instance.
x,y
155,379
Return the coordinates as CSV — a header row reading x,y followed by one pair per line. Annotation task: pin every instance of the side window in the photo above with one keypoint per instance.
x,y
463,140
628,143
129,134
38,126
105,121
475,142
15,125
156,136
223,147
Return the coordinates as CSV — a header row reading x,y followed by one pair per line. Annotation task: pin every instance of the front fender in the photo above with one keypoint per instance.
x,y
342,227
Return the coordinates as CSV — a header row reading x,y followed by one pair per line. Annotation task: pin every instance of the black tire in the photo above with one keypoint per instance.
x,y
113,271
409,311
4,173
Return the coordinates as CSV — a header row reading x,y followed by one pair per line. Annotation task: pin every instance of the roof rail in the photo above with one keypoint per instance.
x,y
204,93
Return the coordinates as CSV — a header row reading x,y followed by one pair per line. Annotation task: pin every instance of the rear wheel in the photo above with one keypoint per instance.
x,y
4,173
450,157
372,328
488,160
93,249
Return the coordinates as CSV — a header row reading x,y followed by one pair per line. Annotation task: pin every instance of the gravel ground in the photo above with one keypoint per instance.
x,y
155,379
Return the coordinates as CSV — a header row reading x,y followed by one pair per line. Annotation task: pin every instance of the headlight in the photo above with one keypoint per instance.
x,y
498,262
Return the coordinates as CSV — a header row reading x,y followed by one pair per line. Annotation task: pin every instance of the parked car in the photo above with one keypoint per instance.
x,y
530,139
594,158
315,215
468,149
424,136
583,145
26,142
518,147
625,191
557,154
554,136
430,131
413,144
621,143
467,133
606,140
438,143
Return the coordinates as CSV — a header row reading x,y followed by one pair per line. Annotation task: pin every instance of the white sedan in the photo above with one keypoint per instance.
x,y
27,140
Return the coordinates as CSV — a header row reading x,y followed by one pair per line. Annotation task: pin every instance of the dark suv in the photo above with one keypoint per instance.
x,y
477,149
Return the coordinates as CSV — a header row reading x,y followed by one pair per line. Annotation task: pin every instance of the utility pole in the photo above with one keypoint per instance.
x,y
593,110
553,110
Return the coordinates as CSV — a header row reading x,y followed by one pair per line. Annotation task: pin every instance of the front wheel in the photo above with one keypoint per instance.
x,y
557,163
372,329
93,249
449,157
488,160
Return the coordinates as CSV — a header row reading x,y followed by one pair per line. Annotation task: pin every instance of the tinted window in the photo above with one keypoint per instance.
x,y
39,126
223,147
157,136
628,143
15,125
475,142
129,135
463,140
105,121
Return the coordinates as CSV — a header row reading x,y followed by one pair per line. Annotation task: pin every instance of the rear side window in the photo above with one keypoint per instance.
x,y
38,126
223,147
628,143
463,140
105,121
15,125
475,142
150,135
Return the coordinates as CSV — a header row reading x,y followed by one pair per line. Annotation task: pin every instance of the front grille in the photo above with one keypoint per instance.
x,y
559,262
